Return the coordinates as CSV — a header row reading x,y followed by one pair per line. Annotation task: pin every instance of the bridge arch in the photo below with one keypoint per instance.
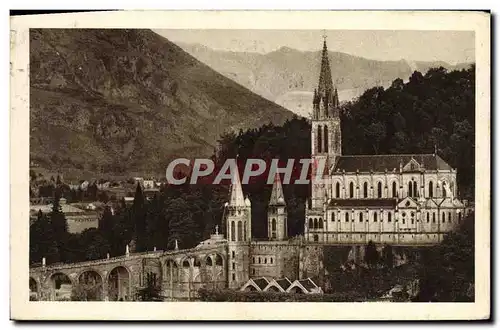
x,y
60,286
34,287
119,282
90,285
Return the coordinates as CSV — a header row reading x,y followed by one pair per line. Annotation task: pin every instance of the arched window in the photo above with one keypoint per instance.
x,y
347,217
449,216
410,189
337,190
320,223
260,260
379,189
428,217
326,138
240,231
443,191
389,217
415,194
442,217
459,216
394,190
360,216
351,190
333,216
433,217
320,144
311,224
431,189
273,224
375,217
233,230
315,223
365,190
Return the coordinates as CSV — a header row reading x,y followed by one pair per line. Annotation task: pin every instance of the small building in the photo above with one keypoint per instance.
x,y
306,286
255,284
280,285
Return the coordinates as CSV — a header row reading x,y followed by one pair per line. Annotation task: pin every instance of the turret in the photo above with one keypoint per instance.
x,y
276,213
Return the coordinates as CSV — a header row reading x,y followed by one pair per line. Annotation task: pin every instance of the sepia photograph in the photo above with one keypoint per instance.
x,y
252,164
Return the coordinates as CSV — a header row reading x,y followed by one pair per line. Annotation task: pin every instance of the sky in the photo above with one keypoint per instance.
x,y
449,46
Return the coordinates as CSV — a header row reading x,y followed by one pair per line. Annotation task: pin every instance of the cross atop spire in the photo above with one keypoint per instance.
x,y
324,35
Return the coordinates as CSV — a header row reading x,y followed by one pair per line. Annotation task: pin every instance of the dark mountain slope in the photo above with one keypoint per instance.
x,y
128,101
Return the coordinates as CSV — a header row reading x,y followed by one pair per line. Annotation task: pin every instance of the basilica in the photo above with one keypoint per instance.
x,y
393,199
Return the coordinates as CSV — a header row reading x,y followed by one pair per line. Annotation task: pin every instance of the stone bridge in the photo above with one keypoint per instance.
x,y
180,273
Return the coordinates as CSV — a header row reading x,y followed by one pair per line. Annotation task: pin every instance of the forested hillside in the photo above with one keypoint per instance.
x,y
435,110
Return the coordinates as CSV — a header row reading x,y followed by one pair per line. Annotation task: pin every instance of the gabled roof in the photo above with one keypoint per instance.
x,y
407,202
281,284
284,283
380,163
261,282
430,203
366,202
306,285
258,283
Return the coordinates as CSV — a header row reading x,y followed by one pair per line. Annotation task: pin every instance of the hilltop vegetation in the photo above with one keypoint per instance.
x,y
432,110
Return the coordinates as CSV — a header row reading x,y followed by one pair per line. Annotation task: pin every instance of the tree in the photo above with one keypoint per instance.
x,y
138,213
447,271
86,292
371,254
42,241
152,289
388,256
106,223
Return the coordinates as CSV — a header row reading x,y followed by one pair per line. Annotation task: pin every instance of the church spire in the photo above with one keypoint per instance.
x,y
277,196
236,198
325,85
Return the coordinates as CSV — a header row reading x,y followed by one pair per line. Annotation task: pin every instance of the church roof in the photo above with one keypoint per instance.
x,y
277,196
380,163
366,202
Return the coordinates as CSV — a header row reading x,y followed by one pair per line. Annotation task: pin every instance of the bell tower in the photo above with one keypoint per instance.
x,y
326,144
276,213
238,214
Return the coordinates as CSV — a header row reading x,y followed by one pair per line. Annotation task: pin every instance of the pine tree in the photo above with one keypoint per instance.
x,y
138,213
106,223
371,254
59,226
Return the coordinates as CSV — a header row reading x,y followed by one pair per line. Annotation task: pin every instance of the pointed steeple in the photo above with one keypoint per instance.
x,y
236,198
325,76
277,196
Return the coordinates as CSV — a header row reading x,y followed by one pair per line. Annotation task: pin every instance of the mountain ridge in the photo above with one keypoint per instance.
x,y
288,76
122,101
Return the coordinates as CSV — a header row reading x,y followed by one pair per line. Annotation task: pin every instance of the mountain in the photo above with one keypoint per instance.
x,y
128,101
288,76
